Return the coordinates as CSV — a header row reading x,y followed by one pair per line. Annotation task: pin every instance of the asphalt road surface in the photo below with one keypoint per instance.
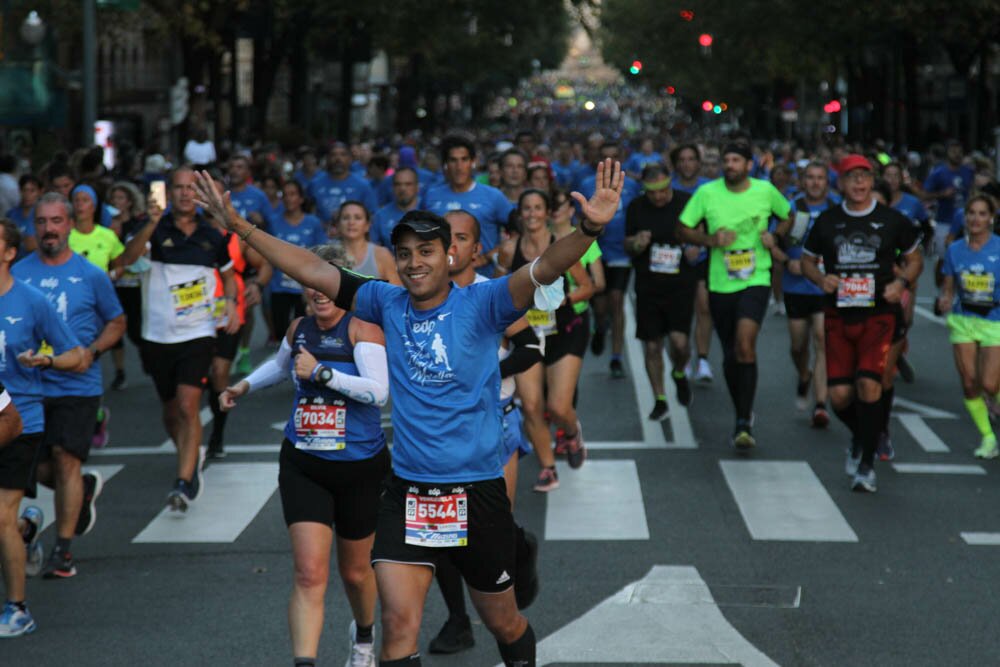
x,y
666,548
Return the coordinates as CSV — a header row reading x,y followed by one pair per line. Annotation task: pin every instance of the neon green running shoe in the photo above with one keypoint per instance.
x,y
988,448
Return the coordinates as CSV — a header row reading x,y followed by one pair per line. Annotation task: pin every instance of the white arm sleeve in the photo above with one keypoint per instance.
x,y
372,387
4,400
274,370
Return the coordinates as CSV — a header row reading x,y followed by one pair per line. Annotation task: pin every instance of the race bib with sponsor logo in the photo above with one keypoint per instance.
x,y
664,258
437,520
320,425
856,291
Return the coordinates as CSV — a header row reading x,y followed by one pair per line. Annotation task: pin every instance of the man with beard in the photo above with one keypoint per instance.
x,y
736,210
85,299
333,187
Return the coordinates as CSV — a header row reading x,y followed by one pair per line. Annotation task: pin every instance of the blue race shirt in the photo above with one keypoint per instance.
x,y
943,177
912,208
324,422
26,223
251,200
85,299
488,204
802,223
426,179
676,185
384,222
613,239
305,181
329,193
564,172
444,378
637,161
309,232
977,278
28,319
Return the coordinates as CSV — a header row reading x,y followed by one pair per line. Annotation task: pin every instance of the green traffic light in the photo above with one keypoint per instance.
x,y
716,109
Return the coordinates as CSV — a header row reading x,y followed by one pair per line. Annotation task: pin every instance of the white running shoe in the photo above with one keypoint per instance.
x,y
361,655
704,373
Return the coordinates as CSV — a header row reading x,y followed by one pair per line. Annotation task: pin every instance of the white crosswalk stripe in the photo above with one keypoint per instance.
x,y
600,501
784,500
233,495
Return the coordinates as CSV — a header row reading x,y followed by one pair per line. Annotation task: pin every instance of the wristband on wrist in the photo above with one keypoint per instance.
x,y
52,361
94,351
588,231
245,235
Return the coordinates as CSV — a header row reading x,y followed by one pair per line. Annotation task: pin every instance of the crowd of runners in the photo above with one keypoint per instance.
x,y
461,282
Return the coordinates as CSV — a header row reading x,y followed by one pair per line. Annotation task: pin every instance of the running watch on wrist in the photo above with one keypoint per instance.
x,y
324,375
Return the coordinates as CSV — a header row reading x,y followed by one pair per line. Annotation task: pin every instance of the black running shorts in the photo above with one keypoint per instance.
x,y
803,306
571,338
342,494
69,424
227,344
616,277
657,315
173,364
18,461
486,562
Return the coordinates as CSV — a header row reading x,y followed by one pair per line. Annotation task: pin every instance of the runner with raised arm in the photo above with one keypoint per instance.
x,y
447,494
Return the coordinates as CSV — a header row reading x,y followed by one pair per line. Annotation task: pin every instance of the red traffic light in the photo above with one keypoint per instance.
x,y
687,14
705,39
707,105
833,106
670,90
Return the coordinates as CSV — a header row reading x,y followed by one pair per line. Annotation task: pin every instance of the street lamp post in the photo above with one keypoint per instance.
x,y
89,70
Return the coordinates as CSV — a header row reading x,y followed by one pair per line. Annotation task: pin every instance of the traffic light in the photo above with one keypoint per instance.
x,y
636,67
707,105
669,90
717,109
833,106
705,39
687,14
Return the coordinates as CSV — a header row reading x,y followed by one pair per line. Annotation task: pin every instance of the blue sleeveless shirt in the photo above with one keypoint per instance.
x,y
324,422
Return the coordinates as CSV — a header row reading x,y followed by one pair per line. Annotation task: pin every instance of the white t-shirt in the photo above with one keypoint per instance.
x,y
199,153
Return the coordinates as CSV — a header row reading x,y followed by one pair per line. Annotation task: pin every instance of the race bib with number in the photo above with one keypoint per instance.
x,y
977,288
320,425
437,520
192,302
857,291
740,264
664,258
542,321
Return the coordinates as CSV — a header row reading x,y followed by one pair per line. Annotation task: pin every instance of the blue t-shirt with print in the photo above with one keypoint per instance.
x,y
485,202
977,278
249,200
444,378
85,299
309,232
27,319
329,193
943,177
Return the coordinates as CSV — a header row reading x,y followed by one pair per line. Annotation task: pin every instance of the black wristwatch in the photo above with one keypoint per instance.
x,y
324,375
583,227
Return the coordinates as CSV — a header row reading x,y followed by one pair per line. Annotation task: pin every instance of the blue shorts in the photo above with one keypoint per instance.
x,y
513,431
